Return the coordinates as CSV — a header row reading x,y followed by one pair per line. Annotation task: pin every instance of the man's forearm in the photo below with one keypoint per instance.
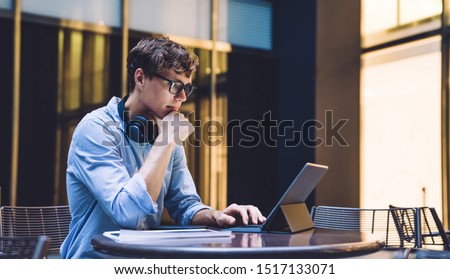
x,y
155,167
204,217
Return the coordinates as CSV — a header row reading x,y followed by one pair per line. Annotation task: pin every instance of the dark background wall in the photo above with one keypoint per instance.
x,y
38,83
6,65
115,66
252,92
295,45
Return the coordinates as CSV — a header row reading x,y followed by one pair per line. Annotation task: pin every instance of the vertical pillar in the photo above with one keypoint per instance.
x,y
337,100
16,101
215,187
445,113
125,16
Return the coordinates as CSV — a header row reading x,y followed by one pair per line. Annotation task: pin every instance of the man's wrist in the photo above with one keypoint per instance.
x,y
215,216
205,216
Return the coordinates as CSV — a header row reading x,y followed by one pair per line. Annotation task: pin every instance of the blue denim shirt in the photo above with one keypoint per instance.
x,y
105,191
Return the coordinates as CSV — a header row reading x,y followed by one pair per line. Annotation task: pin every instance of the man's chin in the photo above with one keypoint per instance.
x,y
169,112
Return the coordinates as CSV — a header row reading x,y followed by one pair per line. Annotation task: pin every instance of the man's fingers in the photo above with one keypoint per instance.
x,y
175,128
237,210
255,214
225,220
246,213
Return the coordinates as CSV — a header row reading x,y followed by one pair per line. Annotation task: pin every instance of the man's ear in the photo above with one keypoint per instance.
x,y
138,76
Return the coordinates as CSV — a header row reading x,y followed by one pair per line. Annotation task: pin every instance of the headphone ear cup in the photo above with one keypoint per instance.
x,y
152,133
135,128
140,130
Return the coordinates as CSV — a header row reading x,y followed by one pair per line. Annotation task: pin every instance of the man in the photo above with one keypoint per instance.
x,y
126,160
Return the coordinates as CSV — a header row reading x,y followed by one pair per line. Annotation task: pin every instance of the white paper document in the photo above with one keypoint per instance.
x,y
170,237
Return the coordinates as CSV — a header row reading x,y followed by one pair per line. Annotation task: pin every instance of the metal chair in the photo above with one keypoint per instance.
x,y
411,231
24,247
424,226
427,231
378,222
50,221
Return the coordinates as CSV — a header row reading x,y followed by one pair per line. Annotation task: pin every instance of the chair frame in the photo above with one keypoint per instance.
x,y
428,228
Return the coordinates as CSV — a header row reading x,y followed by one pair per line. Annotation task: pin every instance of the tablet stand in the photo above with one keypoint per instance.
x,y
297,216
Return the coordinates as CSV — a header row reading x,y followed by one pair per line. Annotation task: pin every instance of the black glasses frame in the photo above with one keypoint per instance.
x,y
188,88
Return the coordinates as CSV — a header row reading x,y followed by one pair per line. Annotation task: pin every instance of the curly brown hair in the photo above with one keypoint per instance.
x,y
153,55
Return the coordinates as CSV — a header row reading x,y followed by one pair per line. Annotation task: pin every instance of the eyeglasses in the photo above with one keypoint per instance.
x,y
177,86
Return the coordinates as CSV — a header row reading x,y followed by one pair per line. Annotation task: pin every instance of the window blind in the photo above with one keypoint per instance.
x,y
250,23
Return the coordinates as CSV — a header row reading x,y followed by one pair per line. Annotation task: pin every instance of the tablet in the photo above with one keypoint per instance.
x,y
299,190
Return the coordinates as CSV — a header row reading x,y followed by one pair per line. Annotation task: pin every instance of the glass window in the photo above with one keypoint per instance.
x,y
378,15
188,18
73,69
95,75
401,126
388,20
6,4
414,10
222,20
83,69
103,12
206,149
83,85
381,15
250,23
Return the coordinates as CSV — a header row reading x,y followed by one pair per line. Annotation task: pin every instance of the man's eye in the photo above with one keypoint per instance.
x,y
178,86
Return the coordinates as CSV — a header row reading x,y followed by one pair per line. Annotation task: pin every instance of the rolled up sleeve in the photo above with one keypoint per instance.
x,y
182,200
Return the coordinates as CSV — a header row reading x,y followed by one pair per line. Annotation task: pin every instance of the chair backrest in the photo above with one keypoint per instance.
x,y
431,228
378,222
404,221
51,221
427,228
24,247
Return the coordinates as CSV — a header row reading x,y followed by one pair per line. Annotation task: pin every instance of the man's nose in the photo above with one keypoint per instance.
x,y
181,96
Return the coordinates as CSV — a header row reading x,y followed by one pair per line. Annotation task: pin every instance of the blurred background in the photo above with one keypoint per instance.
x,y
358,85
